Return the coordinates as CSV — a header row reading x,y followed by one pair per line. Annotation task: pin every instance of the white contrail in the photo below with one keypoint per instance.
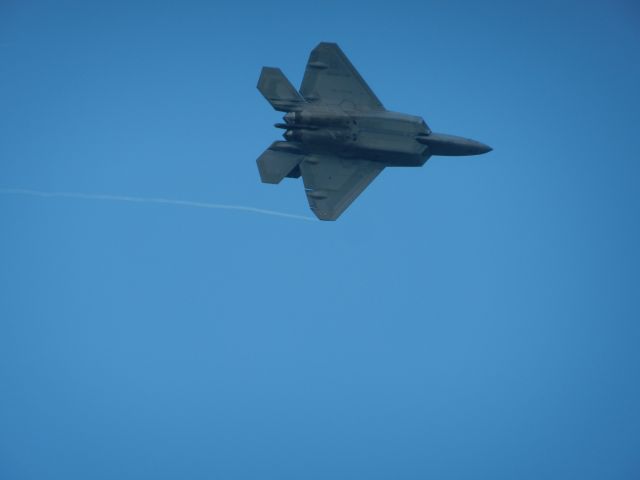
x,y
163,201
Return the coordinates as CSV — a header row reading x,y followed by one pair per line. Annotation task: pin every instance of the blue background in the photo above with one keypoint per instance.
x,y
475,318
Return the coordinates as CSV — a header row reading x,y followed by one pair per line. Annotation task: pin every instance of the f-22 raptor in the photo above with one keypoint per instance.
x,y
338,135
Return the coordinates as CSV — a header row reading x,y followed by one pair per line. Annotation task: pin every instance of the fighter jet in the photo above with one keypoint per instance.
x,y
338,135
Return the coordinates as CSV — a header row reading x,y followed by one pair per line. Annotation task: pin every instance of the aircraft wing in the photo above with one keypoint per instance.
x,y
333,183
331,78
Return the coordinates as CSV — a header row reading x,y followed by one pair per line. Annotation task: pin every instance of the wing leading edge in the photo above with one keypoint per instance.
x,y
333,183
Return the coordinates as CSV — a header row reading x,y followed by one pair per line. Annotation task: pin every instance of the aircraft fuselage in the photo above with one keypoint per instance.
x,y
391,138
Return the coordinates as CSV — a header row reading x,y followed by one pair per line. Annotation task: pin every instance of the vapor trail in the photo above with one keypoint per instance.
x,y
162,201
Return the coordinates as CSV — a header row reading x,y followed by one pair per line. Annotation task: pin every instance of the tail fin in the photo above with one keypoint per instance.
x,y
277,89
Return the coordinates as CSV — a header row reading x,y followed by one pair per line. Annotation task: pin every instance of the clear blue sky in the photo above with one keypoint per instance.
x,y
475,318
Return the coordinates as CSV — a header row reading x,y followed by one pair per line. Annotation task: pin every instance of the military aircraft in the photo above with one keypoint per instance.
x,y
339,137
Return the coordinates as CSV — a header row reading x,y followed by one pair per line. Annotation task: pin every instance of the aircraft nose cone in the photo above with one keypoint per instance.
x,y
472,147
480,148
450,145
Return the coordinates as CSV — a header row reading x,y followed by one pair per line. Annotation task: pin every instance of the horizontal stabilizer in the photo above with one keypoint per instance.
x,y
277,89
276,164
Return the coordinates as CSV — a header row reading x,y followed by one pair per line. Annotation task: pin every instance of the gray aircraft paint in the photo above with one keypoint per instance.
x,y
338,135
